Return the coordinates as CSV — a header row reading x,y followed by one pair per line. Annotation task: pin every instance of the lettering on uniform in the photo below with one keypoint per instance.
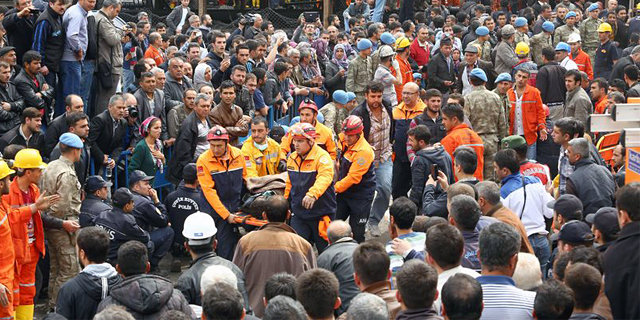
x,y
184,203
200,170
112,234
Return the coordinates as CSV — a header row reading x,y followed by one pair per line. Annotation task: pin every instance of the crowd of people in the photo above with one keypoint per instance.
x,y
260,165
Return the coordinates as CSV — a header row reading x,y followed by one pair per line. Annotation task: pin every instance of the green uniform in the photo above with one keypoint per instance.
x,y
589,34
562,34
484,49
537,43
521,37
360,73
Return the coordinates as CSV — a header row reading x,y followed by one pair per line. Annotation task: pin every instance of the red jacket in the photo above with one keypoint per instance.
x,y
462,135
418,53
532,113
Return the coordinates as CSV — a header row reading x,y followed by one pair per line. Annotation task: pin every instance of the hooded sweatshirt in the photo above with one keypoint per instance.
x,y
421,169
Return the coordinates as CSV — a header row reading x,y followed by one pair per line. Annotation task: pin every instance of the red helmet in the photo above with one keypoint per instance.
x,y
303,130
352,125
217,133
308,104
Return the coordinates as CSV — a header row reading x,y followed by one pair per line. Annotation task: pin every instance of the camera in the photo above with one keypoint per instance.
x,y
133,112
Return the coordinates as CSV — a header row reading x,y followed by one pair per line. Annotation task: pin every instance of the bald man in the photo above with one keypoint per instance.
x,y
338,258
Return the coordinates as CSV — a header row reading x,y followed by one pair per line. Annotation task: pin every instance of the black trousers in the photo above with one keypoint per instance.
x,y
401,180
357,210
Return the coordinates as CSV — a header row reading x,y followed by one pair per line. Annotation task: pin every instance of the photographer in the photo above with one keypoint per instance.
x,y
19,23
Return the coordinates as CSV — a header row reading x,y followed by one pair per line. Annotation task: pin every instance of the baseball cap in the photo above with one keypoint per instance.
x,y
94,183
605,220
121,197
568,206
478,73
190,172
514,141
575,232
482,31
138,175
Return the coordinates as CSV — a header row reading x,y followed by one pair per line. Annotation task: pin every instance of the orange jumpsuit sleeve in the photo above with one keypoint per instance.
x,y
287,181
542,122
285,146
361,162
331,147
208,188
589,68
324,177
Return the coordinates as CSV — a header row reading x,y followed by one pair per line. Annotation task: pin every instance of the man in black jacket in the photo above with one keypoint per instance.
x,y
177,18
175,84
31,83
79,297
106,133
10,100
550,82
218,39
618,68
73,103
470,62
20,23
27,134
95,202
442,76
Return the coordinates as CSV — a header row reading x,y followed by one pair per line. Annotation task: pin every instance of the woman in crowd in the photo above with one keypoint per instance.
x,y
147,155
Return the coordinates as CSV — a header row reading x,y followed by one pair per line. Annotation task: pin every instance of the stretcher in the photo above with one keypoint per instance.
x,y
249,220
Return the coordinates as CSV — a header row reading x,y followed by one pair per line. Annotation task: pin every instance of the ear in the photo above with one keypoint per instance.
x,y
264,216
443,311
514,261
288,214
244,314
119,270
435,297
147,268
215,244
534,312
264,301
186,246
451,221
391,220
388,274
337,304
356,280
398,296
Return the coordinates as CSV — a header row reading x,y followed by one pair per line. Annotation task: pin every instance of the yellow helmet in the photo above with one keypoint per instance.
x,y
402,43
522,49
4,170
29,159
605,27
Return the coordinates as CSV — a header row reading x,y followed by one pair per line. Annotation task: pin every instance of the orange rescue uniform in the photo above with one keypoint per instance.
x,y
584,62
462,136
7,259
407,76
324,139
533,115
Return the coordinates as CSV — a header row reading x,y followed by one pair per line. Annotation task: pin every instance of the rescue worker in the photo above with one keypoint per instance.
x,y
482,43
598,93
522,30
540,41
563,32
578,56
403,50
222,171
27,228
485,113
60,178
606,54
151,215
260,151
309,186
526,116
410,107
7,255
459,134
503,83
356,177
360,71
589,31
324,138
505,56
95,201
120,224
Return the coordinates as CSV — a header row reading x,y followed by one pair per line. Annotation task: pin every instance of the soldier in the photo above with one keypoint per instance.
x,y
483,43
522,29
485,112
335,112
360,71
563,32
503,83
589,31
540,41
60,178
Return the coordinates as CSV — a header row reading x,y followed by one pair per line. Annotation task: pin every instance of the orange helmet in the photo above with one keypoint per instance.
x,y
217,133
352,125
308,104
303,130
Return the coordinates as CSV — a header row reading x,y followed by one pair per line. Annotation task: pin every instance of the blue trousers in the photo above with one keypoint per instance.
x,y
228,237
71,77
357,210
542,250
308,229
383,192
162,239
88,68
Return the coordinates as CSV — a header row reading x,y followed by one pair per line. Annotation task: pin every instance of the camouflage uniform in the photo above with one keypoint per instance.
x,y
589,34
562,34
486,115
504,101
484,49
537,43
334,116
521,37
358,76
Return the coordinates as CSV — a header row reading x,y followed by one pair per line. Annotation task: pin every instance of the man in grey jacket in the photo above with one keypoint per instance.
x,y
505,55
578,104
109,51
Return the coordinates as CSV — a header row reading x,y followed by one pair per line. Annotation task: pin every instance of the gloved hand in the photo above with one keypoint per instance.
x,y
282,166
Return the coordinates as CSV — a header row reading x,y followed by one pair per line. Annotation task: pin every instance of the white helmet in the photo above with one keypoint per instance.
x,y
199,228
386,51
574,38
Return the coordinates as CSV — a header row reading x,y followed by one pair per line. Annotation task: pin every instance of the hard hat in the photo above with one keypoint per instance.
x,y
29,159
308,104
4,170
402,43
303,130
217,133
352,125
199,228
386,51
574,38
605,27
563,46
522,49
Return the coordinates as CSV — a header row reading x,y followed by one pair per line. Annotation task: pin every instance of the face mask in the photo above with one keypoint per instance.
x,y
260,147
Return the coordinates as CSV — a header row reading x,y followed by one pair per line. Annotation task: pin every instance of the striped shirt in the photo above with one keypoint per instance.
x,y
502,300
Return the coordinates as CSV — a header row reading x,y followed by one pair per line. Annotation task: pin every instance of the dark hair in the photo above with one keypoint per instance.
x,y
553,301
585,281
498,243
240,47
403,211
31,56
280,284
132,258
453,110
462,297
476,81
276,209
420,133
394,25
588,255
147,74
317,290
430,93
602,83
445,244
284,308
9,152
577,77
567,126
560,265
489,191
632,72
222,301
374,86
226,85
507,158
258,120
280,67
465,211
406,25
371,262
627,200
417,284
466,158
94,242
31,113
73,118
618,83
259,73
252,44
461,16
548,53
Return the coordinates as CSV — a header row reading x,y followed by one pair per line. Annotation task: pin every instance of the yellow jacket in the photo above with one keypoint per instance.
x,y
324,139
261,163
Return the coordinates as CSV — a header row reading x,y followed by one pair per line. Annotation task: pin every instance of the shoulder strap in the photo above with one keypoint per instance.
x,y
524,192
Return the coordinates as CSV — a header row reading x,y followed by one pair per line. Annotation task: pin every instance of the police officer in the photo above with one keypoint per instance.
x,y
222,171
356,178
309,186
482,43
324,137
261,152
589,31
95,201
540,41
60,178
120,223
522,30
151,215
503,83
563,32
360,70
485,112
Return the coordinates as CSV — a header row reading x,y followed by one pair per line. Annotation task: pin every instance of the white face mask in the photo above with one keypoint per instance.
x,y
261,147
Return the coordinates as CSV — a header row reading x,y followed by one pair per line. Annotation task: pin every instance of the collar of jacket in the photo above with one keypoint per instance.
x,y
494,209
344,240
631,229
571,94
278,226
418,107
53,13
231,154
171,79
378,287
582,163
358,146
458,127
203,257
66,160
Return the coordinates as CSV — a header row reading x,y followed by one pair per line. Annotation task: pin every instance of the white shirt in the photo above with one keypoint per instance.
x,y
203,144
442,279
185,11
535,209
569,64
519,125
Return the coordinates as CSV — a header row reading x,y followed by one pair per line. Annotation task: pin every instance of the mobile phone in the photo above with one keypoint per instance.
x,y
434,172
311,16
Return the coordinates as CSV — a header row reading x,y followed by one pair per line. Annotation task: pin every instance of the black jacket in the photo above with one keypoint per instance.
x,y
180,204
19,31
159,110
634,90
148,214
421,169
122,227
10,119
55,129
185,147
214,62
437,129
488,69
338,258
50,38
174,91
362,112
14,136
173,19
621,273
439,71
550,82
91,207
592,184
79,297
27,88
103,140
332,80
147,297
618,68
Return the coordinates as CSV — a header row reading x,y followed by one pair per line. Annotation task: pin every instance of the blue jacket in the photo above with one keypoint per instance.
x,y
513,182
148,214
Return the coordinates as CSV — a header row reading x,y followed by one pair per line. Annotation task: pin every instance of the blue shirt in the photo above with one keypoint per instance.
x,y
74,23
258,100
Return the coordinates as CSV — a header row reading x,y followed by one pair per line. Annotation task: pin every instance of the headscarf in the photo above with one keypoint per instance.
x,y
198,74
344,63
321,48
144,131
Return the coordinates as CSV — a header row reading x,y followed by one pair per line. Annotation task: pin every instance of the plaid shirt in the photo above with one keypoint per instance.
x,y
379,137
